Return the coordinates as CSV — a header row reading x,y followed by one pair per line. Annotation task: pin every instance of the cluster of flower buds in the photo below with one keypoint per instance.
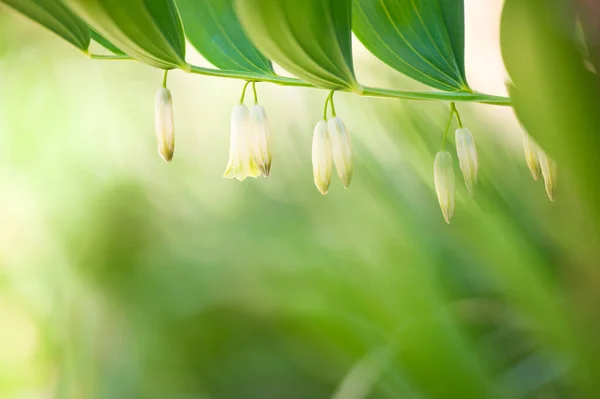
x,y
250,150
250,143
443,169
538,161
331,145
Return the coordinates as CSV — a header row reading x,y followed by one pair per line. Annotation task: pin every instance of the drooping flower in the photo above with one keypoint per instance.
x,y
467,157
548,167
321,157
242,139
443,176
262,134
164,125
341,149
531,156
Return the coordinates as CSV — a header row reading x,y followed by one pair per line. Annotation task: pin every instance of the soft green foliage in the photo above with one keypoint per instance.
x,y
310,38
54,16
423,39
149,31
556,96
213,28
454,18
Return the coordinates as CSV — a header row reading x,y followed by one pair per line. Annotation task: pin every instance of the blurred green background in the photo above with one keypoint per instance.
x,y
124,277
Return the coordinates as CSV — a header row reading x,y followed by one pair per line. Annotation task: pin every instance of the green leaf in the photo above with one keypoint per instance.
x,y
214,30
149,31
98,38
454,17
54,16
309,38
423,39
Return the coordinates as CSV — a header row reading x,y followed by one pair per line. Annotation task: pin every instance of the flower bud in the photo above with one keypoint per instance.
x,y
262,132
531,156
321,157
241,162
341,149
467,157
163,123
548,167
443,176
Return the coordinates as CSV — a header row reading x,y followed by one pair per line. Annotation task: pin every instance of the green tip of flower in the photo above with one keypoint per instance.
x,y
346,181
166,155
264,168
323,189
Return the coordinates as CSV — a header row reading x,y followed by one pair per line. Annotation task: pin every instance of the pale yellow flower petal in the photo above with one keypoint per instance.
x,y
262,133
467,157
531,156
241,162
443,175
164,125
321,157
548,167
341,148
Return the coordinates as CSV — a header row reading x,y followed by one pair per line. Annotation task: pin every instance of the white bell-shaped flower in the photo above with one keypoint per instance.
x,y
548,167
164,125
467,157
443,176
531,156
341,149
321,157
262,133
242,140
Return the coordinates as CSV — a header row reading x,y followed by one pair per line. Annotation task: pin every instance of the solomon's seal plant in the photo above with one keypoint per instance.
x,y
311,39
